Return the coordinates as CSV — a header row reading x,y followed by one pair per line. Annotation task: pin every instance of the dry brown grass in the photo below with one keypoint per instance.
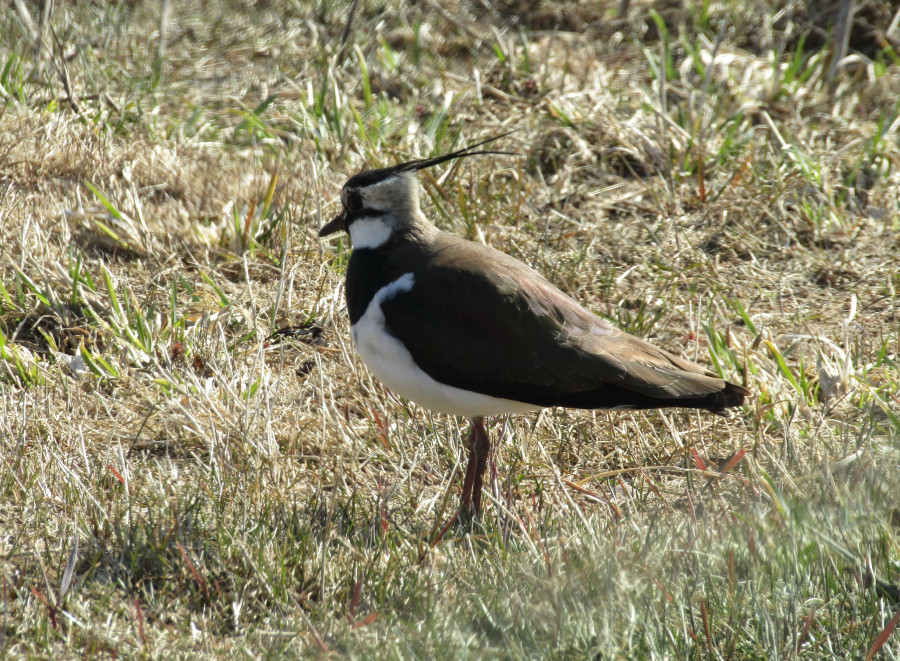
x,y
210,490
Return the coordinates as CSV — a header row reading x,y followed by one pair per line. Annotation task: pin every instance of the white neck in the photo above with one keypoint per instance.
x,y
370,232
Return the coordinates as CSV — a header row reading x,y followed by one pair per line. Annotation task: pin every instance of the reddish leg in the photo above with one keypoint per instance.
x,y
479,449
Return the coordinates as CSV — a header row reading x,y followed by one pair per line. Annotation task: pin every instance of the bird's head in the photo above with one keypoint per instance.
x,y
376,203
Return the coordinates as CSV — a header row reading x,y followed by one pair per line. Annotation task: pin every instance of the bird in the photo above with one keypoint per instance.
x,y
464,329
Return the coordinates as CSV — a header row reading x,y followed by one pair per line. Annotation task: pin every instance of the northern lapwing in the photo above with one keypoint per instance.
x,y
463,329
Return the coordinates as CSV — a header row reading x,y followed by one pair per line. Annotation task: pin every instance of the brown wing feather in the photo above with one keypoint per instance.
x,y
481,320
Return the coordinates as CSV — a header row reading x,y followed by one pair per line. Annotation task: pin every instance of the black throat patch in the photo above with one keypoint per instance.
x,y
368,271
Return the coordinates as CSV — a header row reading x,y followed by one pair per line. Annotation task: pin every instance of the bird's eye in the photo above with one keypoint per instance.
x,y
353,201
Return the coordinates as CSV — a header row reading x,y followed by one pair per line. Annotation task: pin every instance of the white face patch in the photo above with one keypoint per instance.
x,y
370,232
392,364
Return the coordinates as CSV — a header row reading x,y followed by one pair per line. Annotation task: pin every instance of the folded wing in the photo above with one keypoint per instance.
x,y
485,322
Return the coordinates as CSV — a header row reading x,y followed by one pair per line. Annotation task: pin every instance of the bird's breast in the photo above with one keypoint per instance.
x,y
392,363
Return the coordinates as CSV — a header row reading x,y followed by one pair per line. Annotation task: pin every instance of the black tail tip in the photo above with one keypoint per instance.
x,y
730,396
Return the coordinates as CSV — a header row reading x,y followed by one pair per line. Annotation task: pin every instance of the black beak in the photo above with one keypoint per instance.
x,y
336,224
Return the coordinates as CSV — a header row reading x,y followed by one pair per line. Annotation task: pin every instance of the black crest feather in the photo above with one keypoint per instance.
x,y
370,177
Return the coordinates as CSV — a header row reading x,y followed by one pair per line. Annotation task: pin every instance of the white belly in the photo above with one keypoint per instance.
x,y
389,360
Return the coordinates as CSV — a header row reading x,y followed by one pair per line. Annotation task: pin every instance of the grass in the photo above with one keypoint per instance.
x,y
195,462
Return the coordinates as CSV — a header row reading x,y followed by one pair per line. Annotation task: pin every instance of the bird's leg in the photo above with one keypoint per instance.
x,y
470,507
479,449
482,446
466,500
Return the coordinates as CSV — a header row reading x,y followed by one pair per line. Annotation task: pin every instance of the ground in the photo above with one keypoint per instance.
x,y
194,460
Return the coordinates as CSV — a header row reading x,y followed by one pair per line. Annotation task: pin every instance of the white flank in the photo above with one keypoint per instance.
x,y
369,232
390,361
